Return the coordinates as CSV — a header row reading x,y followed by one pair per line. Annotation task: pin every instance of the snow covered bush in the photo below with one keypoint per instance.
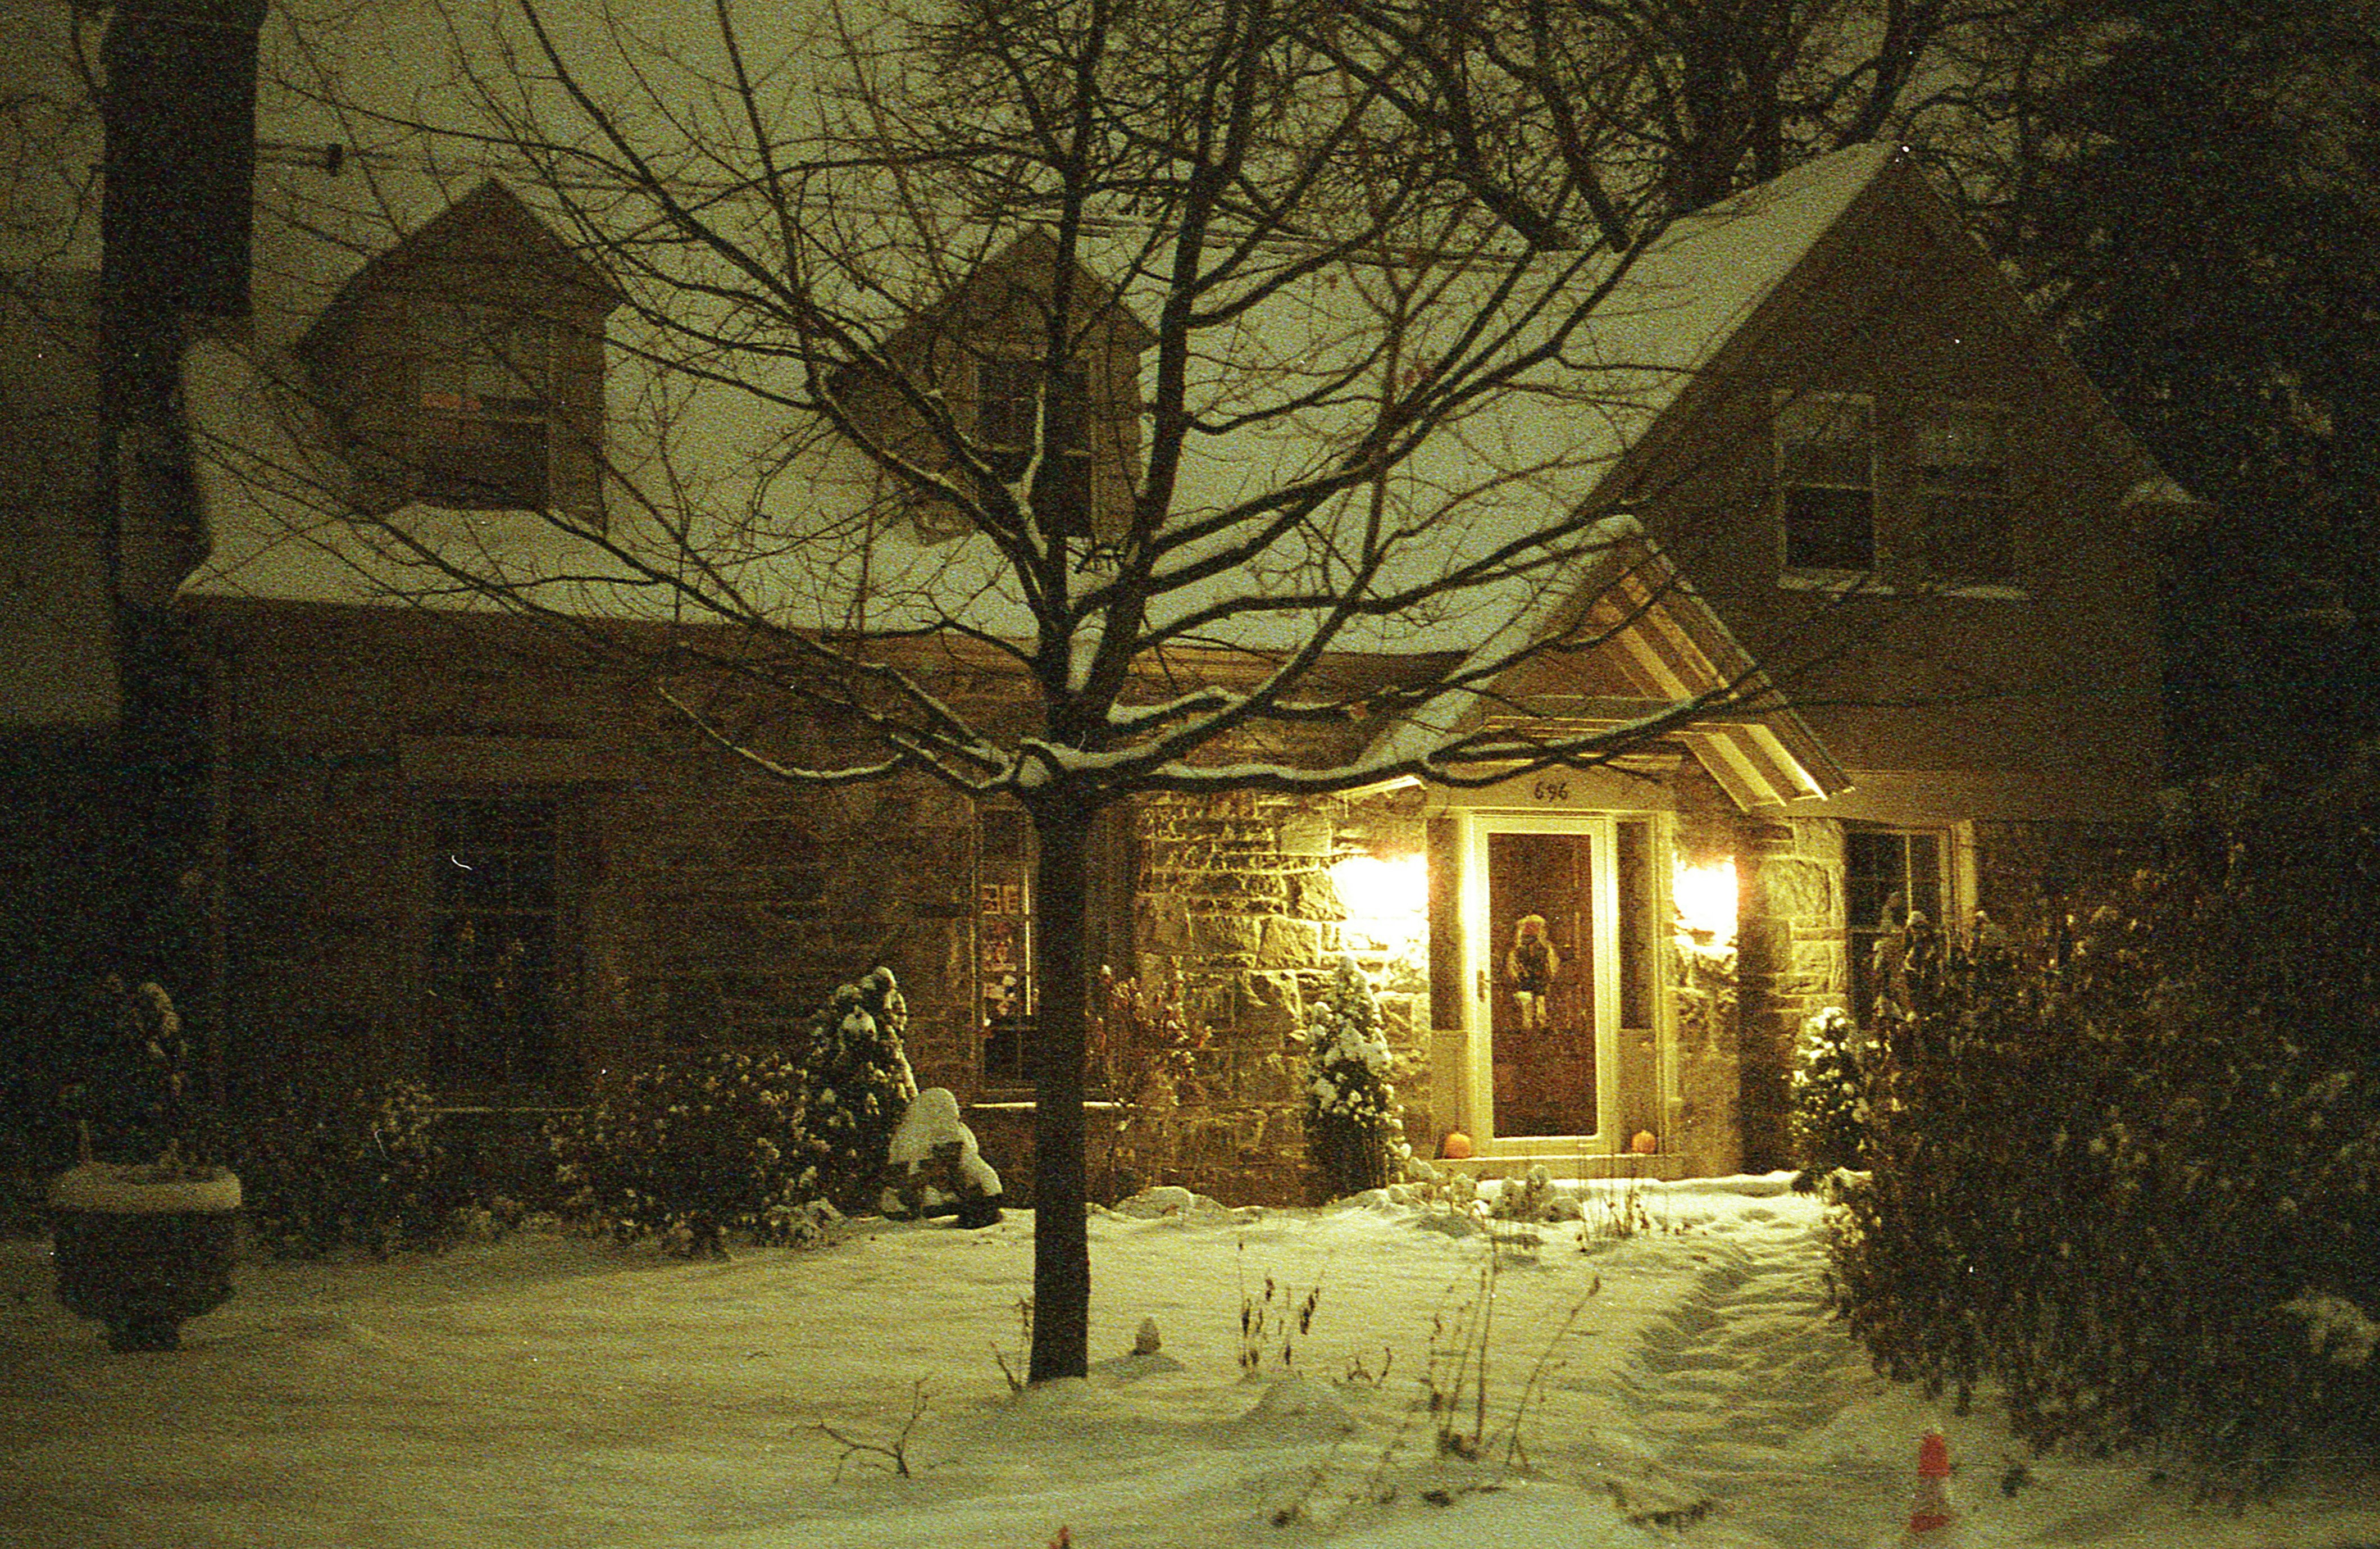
x,y
1352,1130
854,1085
689,1151
129,1085
2130,1172
934,1169
1833,1062
326,1161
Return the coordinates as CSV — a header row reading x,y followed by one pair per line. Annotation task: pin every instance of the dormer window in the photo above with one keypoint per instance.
x,y
1009,395
463,368
982,352
486,390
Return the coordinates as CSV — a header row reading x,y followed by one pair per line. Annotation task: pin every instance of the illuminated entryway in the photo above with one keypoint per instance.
x,y
1543,973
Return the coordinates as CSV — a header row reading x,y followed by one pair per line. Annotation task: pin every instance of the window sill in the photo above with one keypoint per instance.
x,y
1865,584
1026,1105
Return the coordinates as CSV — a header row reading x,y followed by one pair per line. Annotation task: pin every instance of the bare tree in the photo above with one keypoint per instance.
x,y
1052,398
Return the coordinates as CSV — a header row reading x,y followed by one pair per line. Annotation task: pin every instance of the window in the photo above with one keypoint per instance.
x,y
1958,469
463,367
491,958
1825,474
1889,875
1008,394
1004,948
1904,489
485,387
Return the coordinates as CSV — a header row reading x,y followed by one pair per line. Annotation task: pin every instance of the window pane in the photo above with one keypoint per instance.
x,y
1925,884
485,388
1004,945
1007,396
1828,528
1832,423
1875,866
1957,446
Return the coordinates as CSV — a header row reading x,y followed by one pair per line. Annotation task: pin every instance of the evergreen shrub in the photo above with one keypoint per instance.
x,y
690,1151
2130,1173
326,1162
854,1085
1834,1061
1352,1132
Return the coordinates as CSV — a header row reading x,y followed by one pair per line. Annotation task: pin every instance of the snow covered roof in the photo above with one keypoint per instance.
x,y
797,527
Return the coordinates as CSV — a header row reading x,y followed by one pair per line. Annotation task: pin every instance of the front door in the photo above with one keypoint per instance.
x,y
1542,943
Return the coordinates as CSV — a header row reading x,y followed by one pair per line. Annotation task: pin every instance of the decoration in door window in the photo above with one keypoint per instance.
x,y
1530,967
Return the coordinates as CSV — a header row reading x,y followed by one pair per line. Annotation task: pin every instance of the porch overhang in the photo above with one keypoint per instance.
x,y
1632,656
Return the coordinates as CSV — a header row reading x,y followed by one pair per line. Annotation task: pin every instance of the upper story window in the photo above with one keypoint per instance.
x,y
982,352
486,379
1020,406
1825,474
1958,473
1902,489
463,367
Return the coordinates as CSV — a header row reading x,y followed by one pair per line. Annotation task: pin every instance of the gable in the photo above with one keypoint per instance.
x,y
1893,288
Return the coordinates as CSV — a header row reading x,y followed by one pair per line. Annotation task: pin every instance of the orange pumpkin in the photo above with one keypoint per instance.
x,y
1455,1146
1645,1144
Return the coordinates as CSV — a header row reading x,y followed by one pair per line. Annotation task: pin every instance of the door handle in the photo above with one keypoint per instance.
x,y
1483,985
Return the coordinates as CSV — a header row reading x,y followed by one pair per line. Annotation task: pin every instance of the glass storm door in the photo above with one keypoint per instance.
x,y
1542,949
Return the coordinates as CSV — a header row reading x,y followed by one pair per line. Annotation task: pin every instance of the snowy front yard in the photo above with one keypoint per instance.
x,y
543,1391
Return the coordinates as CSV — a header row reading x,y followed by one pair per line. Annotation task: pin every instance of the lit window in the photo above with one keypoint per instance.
x,y
1825,474
1004,947
494,909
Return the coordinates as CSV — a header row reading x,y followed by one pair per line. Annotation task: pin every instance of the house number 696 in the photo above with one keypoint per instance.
x,y
1550,791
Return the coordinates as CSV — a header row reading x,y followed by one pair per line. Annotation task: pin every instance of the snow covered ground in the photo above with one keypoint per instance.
x,y
544,1391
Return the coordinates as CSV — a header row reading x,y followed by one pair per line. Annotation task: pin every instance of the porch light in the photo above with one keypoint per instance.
x,y
1387,900
1705,895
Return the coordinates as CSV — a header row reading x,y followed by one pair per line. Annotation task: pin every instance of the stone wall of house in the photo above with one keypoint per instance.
x,y
1235,895
1794,961
1702,974
707,903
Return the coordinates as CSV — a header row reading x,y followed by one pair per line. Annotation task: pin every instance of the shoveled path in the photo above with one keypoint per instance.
x,y
1733,1385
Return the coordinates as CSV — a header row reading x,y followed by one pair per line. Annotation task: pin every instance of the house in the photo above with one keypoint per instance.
x,y
1873,514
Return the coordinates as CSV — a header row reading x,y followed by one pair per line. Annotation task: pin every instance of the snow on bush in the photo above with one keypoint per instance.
x,y
129,1084
2335,1328
1352,1130
854,1085
933,1166
690,1151
2107,1164
326,1161
1833,1062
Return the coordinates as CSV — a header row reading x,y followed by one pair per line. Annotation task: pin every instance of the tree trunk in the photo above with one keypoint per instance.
x,y
1061,1254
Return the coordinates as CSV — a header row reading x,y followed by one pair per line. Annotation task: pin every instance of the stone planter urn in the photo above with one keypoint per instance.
x,y
143,1248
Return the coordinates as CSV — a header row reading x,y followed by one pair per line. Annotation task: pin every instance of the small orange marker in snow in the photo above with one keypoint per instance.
x,y
1932,1508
